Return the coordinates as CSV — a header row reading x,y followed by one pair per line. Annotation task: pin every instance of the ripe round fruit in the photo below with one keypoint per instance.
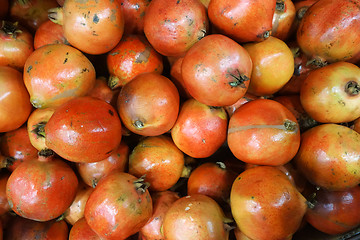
x,y
263,132
331,94
56,73
15,106
329,156
84,129
149,104
92,26
41,189
216,71
265,204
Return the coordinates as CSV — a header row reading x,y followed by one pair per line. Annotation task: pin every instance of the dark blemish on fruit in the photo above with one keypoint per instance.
x,y
96,19
65,61
111,113
190,20
341,102
143,57
29,69
121,198
85,70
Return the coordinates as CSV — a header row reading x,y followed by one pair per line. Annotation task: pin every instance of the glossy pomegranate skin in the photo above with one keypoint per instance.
x,y
81,230
263,132
176,77
195,217
216,71
94,27
162,201
199,130
132,56
149,104
265,204
134,14
16,145
49,33
56,73
328,156
118,207
41,189
15,106
244,20
16,45
85,129
172,26
77,207
335,212
268,57
284,16
331,94
201,181
329,31
159,159
92,172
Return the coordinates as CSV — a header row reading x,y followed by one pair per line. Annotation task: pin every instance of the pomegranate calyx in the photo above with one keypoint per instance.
x,y
46,153
56,15
113,82
221,165
39,129
141,185
240,79
10,29
311,201
352,88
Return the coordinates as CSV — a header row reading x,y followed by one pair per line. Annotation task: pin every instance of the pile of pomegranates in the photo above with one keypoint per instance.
x,y
179,119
